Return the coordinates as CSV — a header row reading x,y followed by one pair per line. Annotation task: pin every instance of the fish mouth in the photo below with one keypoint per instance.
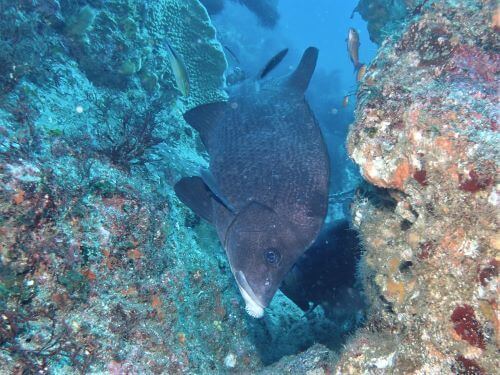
x,y
252,305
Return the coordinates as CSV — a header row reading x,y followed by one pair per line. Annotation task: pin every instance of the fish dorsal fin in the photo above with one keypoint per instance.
x,y
209,180
301,77
204,117
195,194
273,63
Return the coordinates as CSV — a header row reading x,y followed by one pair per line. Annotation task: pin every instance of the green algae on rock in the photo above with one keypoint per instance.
x,y
81,22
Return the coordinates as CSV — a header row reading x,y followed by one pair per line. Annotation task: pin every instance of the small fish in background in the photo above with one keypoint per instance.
x,y
232,54
235,73
275,60
235,76
361,73
179,70
355,10
345,101
353,47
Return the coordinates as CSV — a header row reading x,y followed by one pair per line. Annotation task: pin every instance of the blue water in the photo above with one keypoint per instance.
x,y
302,23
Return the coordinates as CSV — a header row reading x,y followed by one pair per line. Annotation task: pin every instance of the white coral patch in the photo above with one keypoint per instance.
x,y
379,164
383,362
493,198
358,156
230,360
358,216
470,248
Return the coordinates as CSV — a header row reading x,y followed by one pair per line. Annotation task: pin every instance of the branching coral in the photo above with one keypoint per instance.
x,y
127,139
33,351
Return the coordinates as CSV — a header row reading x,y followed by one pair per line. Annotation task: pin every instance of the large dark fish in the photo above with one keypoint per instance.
x,y
266,191
328,266
353,47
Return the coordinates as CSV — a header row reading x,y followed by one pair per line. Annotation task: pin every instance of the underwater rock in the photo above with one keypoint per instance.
x,y
317,360
112,273
81,22
426,133
386,17
128,38
265,10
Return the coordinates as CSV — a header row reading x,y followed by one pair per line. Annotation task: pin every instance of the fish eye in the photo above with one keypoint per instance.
x,y
272,256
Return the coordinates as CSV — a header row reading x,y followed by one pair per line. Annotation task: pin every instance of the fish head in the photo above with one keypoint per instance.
x,y
261,249
353,36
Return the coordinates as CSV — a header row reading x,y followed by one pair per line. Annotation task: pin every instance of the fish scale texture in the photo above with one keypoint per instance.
x,y
271,172
287,179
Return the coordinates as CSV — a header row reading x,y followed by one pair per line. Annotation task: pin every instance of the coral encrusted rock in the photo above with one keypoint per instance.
x,y
426,136
102,269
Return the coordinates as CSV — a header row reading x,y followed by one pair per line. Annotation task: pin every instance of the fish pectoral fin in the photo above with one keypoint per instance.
x,y
211,183
195,194
204,117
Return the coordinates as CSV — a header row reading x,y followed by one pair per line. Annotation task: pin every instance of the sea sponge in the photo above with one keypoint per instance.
x,y
466,325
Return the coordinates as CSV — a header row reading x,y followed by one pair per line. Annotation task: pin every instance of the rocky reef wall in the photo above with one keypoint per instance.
x,y
426,136
387,17
102,270
426,141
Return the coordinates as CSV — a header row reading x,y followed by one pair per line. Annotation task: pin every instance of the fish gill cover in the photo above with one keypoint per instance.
x,y
104,270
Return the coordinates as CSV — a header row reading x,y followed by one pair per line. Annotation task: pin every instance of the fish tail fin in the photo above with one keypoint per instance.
x,y
357,66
